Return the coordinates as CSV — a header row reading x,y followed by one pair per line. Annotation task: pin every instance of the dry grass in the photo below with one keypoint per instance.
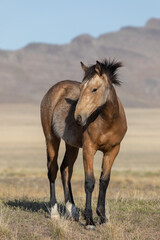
x,y
133,196
26,218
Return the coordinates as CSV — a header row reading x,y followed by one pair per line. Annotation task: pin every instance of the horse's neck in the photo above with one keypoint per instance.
x,y
110,109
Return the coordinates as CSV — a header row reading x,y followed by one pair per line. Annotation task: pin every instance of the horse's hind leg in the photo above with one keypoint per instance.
x,y
108,160
66,174
52,155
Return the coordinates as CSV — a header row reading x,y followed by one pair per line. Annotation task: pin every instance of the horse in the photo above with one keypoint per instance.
x,y
86,115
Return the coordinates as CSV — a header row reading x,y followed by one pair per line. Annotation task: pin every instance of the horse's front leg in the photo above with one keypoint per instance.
x,y
88,155
107,163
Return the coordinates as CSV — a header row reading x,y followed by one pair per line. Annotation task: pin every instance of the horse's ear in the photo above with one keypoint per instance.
x,y
84,67
98,68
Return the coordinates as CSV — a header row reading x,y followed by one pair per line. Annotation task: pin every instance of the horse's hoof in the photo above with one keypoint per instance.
x,y
103,220
71,211
90,227
55,217
54,214
76,217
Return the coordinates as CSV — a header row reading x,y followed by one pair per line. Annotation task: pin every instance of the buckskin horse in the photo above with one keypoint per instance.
x,y
86,115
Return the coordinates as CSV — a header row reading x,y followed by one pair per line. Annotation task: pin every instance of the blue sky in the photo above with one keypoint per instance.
x,y
59,21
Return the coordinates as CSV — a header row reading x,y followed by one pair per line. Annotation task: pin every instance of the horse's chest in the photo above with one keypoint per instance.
x,y
112,138
106,140
105,143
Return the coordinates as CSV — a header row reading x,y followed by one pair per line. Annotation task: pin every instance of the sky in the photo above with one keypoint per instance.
x,y
59,21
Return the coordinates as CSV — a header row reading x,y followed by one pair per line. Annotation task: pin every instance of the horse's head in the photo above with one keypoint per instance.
x,y
95,87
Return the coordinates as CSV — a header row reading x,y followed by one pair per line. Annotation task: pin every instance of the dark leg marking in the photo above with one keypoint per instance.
x,y
89,187
103,184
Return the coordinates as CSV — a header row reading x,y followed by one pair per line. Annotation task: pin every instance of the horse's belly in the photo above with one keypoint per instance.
x,y
64,124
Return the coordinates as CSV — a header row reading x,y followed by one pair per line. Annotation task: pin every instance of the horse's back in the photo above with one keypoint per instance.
x,y
57,112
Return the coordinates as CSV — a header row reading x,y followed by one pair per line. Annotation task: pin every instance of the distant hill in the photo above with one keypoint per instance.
x,y
26,74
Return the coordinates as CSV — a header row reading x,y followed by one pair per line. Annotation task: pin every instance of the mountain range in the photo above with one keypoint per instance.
x,y
26,74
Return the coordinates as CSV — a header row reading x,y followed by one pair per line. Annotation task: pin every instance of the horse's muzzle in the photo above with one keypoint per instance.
x,y
80,121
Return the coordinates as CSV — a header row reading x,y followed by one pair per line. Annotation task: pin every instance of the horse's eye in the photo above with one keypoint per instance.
x,y
94,90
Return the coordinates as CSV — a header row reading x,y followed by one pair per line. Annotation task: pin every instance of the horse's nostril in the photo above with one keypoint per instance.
x,y
79,119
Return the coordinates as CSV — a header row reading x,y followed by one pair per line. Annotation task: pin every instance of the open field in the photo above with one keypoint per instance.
x,y
133,197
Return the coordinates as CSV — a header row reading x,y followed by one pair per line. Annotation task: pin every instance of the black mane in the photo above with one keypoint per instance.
x,y
108,67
